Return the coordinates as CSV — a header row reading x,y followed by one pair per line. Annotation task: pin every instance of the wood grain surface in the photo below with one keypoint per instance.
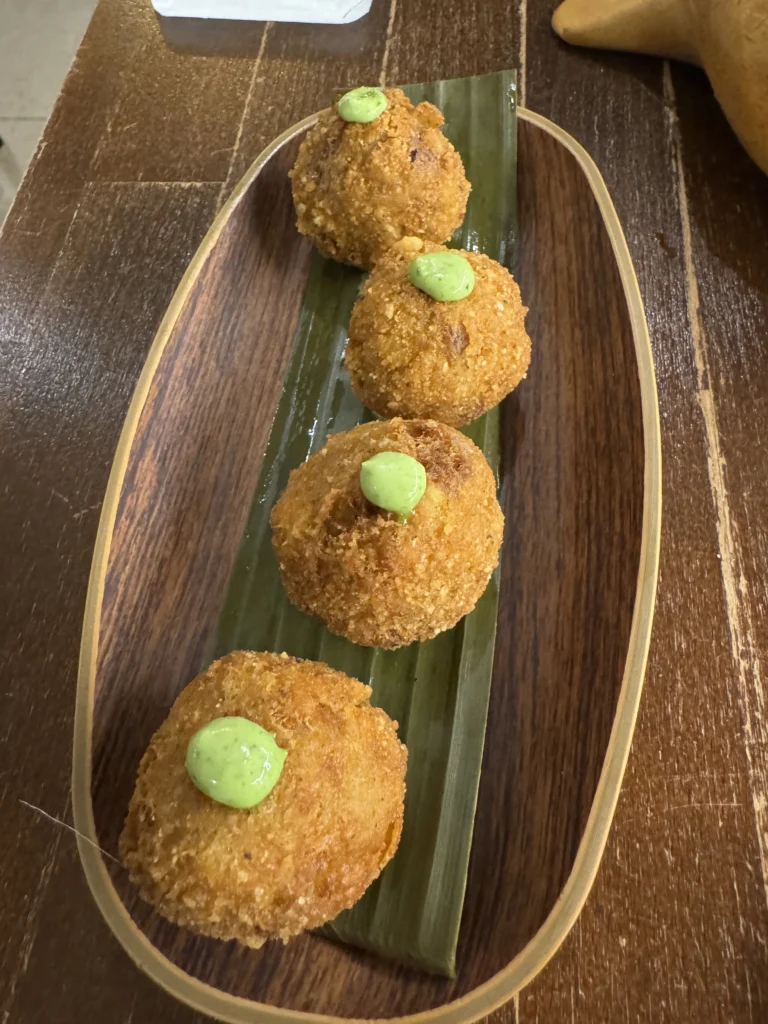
x,y
144,143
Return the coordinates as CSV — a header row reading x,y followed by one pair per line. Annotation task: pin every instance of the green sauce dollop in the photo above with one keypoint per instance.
x,y
234,761
393,481
446,276
362,105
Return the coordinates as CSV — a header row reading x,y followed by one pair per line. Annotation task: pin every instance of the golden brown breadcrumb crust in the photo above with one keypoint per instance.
x,y
409,355
358,188
375,580
312,847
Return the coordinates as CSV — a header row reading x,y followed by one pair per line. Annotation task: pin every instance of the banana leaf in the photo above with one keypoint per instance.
x,y
437,691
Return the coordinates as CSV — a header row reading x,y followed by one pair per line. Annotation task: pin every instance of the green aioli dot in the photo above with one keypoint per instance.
x,y
234,761
362,105
393,481
445,276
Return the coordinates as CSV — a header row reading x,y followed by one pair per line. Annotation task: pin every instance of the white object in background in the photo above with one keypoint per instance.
x,y
319,12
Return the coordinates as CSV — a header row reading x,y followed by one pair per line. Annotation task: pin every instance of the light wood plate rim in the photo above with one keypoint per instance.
x,y
538,951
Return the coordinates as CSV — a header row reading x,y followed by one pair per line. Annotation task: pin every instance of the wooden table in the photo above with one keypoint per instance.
x,y
143,145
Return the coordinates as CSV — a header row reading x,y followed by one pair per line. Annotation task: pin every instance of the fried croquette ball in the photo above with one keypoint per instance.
x,y
410,355
359,187
370,576
312,847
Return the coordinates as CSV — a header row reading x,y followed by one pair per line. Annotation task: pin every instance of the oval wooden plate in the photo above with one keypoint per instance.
x,y
582,469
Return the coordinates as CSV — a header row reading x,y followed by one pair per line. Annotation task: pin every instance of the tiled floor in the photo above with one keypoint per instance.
x,y
38,39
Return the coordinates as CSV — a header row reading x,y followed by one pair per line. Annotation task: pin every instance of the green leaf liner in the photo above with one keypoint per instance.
x,y
438,691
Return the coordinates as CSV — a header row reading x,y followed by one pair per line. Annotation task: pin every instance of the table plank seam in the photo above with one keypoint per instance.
x,y
740,626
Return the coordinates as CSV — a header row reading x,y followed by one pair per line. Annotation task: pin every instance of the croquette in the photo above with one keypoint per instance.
x,y
358,188
409,355
312,847
368,575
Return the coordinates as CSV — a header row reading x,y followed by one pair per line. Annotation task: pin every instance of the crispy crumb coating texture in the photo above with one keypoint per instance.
x,y
371,578
411,356
358,188
312,847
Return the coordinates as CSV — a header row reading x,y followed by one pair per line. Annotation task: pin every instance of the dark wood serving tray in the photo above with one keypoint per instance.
x,y
582,471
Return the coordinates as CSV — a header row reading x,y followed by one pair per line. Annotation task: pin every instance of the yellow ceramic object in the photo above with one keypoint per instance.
x,y
728,38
